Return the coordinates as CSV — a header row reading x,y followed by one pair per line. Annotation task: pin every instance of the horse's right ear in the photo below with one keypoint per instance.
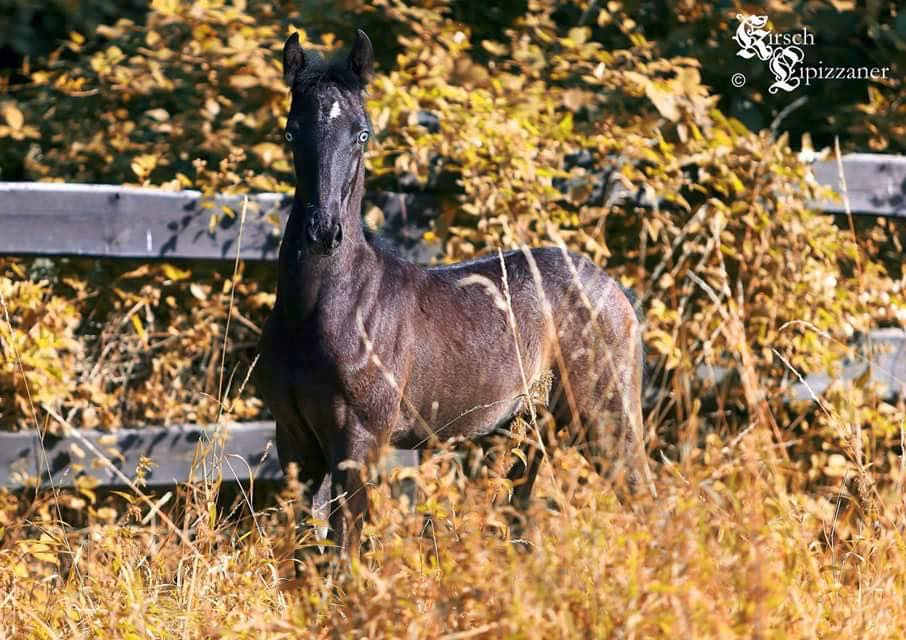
x,y
293,59
361,58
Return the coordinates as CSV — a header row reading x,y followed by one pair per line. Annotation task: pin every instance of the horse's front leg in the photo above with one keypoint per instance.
x,y
320,508
297,446
348,505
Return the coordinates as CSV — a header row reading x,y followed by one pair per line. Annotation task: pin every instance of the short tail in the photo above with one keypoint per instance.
x,y
636,303
644,471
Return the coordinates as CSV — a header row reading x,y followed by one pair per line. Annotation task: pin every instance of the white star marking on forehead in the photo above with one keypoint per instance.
x,y
335,109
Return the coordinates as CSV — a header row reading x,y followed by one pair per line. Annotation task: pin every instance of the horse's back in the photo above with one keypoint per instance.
x,y
572,317
549,277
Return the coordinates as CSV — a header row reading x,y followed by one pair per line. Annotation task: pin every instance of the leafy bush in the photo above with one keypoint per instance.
x,y
732,244
866,116
524,135
39,346
205,75
130,344
32,28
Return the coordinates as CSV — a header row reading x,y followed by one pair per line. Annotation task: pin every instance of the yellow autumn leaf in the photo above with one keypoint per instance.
x,y
494,48
664,100
142,165
20,570
519,453
137,323
41,549
274,219
175,273
198,292
566,124
580,35
213,221
374,218
738,186
13,116
268,152
161,115
243,82
106,514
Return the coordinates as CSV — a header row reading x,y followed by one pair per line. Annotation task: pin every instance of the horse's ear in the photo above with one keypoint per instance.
x,y
361,58
293,59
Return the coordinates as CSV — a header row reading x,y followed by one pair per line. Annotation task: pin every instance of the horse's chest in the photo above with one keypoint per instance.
x,y
290,369
312,376
312,372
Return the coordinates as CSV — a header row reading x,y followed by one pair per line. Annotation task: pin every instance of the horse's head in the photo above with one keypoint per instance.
x,y
328,129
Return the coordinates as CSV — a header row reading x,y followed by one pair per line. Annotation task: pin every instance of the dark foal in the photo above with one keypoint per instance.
x,y
364,350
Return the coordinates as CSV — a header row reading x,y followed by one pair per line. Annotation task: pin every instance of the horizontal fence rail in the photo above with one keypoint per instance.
x,y
106,221
238,451
52,219
881,363
128,222
875,184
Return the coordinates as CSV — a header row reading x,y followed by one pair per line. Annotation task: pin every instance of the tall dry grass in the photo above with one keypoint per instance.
x,y
732,546
724,551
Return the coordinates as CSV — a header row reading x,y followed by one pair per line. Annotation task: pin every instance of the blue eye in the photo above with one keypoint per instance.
x,y
363,137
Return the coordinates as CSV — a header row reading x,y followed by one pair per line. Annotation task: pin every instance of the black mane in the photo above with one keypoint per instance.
x,y
319,71
381,243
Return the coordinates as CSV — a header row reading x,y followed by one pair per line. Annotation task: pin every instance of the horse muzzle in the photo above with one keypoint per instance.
x,y
324,239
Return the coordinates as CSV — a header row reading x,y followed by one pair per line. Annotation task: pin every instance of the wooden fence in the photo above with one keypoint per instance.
x,y
51,219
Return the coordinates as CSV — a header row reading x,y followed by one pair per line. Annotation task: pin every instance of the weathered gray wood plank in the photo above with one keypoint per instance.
x,y
129,222
876,184
886,357
177,453
54,219
101,220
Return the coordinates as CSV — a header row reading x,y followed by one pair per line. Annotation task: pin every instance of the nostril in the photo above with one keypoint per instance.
x,y
310,232
337,235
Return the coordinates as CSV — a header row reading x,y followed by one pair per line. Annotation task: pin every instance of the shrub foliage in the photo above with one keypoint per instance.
x,y
527,133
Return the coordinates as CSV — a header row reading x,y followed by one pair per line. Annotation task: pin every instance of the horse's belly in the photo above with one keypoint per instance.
x,y
443,418
467,387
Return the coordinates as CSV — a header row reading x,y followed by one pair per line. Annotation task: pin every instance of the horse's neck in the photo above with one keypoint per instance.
x,y
309,283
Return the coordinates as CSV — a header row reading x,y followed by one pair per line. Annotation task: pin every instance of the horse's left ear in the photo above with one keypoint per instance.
x,y
361,58
293,59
